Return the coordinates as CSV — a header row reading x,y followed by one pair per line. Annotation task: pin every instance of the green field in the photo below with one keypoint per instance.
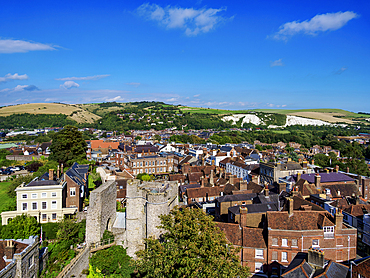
x,y
5,201
212,111
324,110
280,131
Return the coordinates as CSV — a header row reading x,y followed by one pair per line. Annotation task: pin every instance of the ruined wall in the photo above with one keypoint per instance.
x,y
101,213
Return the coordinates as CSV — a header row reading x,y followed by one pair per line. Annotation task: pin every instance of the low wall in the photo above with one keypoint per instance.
x,y
77,264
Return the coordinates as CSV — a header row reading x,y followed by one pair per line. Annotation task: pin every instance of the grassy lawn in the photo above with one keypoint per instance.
x,y
281,131
4,199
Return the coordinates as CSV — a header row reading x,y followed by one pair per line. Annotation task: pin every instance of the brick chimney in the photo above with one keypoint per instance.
x,y
316,258
61,169
58,173
231,179
243,185
202,182
51,174
317,181
290,206
304,166
243,216
9,249
266,190
313,161
299,176
336,168
338,219
347,169
211,179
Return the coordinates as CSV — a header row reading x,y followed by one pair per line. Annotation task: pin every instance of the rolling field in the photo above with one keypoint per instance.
x,y
80,115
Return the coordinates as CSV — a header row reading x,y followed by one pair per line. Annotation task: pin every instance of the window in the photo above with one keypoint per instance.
x,y
43,194
284,242
72,191
30,261
294,242
329,232
134,172
34,195
274,256
146,163
24,206
44,217
24,196
284,256
43,205
259,253
141,164
275,241
53,204
161,169
339,241
315,242
53,194
134,164
34,205
54,216
201,199
258,267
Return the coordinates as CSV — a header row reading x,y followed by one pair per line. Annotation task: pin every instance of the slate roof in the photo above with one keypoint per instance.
x,y
77,173
42,183
184,187
254,208
325,177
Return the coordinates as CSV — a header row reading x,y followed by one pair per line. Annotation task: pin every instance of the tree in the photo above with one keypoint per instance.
x,y
22,226
192,246
68,146
112,262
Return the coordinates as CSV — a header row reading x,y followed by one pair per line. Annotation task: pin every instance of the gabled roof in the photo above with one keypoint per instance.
x,y
357,210
203,192
77,173
343,189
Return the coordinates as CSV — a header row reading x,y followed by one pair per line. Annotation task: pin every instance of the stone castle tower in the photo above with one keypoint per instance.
x,y
145,202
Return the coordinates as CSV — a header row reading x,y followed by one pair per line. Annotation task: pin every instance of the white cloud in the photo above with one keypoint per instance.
x,y
18,46
193,21
114,99
15,76
135,84
69,85
95,77
277,63
341,70
19,88
319,23
196,95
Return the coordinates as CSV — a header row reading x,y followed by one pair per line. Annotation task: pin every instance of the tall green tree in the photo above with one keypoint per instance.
x,y
112,262
22,226
192,246
68,146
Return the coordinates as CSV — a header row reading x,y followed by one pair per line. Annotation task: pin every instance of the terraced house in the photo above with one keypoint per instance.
x,y
50,198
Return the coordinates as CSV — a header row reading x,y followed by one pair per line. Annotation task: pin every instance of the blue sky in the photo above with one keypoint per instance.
x,y
219,54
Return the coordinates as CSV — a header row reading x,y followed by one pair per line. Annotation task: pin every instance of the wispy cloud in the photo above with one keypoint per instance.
x,y
277,63
69,85
135,84
271,105
341,70
315,25
15,76
196,95
19,46
19,88
193,21
95,77
117,98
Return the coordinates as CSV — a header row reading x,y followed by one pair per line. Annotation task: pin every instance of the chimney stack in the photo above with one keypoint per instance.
x,y
9,249
211,179
61,169
51,174
243,216
266,190
202,182
313,161
243,185
58,173
305,164
231,179
290,206
316,258
299,176
347,169
336,168
338,219
317,181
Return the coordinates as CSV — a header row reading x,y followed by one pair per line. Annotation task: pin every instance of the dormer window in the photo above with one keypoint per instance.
x,y
329,232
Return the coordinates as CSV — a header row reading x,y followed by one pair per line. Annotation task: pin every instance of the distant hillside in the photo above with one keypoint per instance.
x,y
158,115
71,111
